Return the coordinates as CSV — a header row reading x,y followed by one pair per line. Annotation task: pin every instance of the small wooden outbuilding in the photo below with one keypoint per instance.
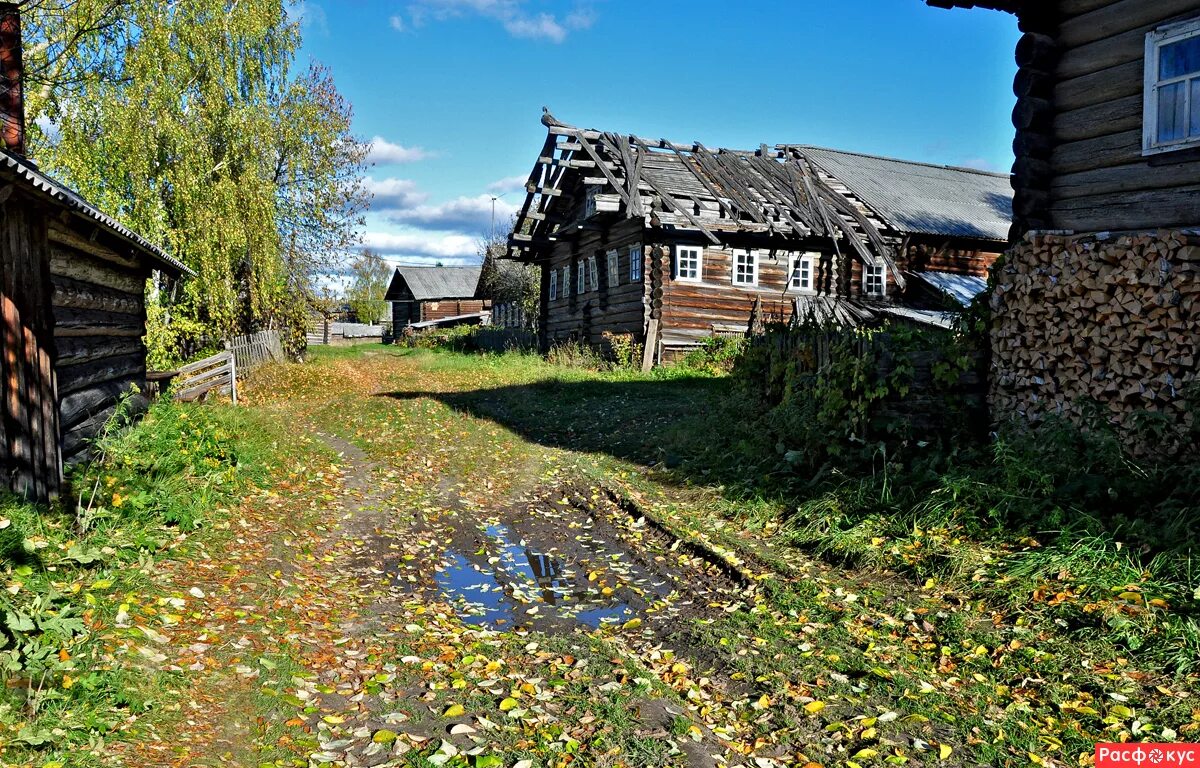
x,y
73,303
429,294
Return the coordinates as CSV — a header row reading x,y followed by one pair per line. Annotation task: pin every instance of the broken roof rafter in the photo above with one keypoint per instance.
x,y
780,192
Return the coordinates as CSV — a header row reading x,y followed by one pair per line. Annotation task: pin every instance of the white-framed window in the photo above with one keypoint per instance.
x,y
874,280
566,283
745,267
580,279
1172,98
635,263
689,263
553,285
593,273
802,272
612,260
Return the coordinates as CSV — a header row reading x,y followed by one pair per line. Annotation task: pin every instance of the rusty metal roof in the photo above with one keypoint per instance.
x,y
26,171
435,283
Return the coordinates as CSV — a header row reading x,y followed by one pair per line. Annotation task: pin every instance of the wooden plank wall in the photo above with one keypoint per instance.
x,y
29,429
1080,119
618,309
100,318
691,309
440,310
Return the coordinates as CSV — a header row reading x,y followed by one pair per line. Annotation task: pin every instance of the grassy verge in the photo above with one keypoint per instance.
x,y
84,605
1019,600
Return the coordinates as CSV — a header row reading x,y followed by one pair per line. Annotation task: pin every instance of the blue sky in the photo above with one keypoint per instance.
x,y
452,90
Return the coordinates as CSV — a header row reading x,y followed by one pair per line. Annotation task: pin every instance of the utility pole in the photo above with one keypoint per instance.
x,y
494,199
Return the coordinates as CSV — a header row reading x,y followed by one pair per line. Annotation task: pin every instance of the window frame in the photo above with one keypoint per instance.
x,y
612,261
753,256
636,263
799,257
693,250
580,278
883,281
1155,42
566,286
553,285
593,273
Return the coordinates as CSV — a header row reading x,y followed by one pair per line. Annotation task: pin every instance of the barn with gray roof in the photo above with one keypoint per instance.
x,y
425,296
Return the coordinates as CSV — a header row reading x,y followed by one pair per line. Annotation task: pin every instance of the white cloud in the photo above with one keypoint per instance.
x,y
384,152
394,194
397,23
311,16
513,15
463,214
444,248
508,184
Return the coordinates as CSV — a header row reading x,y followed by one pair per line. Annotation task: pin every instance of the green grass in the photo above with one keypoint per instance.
x,y
80,583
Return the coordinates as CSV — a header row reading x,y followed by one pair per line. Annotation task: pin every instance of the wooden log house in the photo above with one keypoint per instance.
x,y
434,294
675,243
1099,298
73,300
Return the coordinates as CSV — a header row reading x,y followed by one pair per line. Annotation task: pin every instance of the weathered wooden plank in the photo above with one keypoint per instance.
x,y
128,368
1134,177
1121,211
1103,119
62,235
76,294
1121,81
74,350
1100,152
1117,17
66,263
1112,50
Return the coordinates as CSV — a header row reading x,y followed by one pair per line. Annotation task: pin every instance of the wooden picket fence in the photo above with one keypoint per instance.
x,y
255,350
220,372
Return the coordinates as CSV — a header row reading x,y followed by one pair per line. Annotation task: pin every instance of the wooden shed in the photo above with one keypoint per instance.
x,y
1098,300
674,243
73,298
433,294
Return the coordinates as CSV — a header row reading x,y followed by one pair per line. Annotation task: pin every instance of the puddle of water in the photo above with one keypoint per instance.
x,y
512,582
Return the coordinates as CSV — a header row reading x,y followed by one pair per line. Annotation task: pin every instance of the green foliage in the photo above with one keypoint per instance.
x,y
577,354
186,122
370,276
152,486
838,394
718,355
625,352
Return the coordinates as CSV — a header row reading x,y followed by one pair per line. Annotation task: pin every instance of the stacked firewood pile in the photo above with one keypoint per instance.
x,y
1114,319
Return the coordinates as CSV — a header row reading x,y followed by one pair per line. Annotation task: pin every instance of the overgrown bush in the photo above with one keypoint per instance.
x,y
717,355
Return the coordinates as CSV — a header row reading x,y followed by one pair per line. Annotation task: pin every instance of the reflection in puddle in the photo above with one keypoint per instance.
x,y
509,582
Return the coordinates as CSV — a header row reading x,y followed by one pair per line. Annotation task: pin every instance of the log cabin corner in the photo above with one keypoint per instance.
x,y
73,300
673,244
1098,300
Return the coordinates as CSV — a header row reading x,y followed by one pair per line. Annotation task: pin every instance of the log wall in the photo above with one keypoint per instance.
x,y
618,308
1079,120
1111,319
99,305
29,429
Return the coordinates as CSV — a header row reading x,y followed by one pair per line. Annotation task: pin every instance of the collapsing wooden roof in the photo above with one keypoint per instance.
x,y
785,191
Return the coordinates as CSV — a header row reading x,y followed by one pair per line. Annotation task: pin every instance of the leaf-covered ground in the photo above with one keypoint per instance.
x,y
474,561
